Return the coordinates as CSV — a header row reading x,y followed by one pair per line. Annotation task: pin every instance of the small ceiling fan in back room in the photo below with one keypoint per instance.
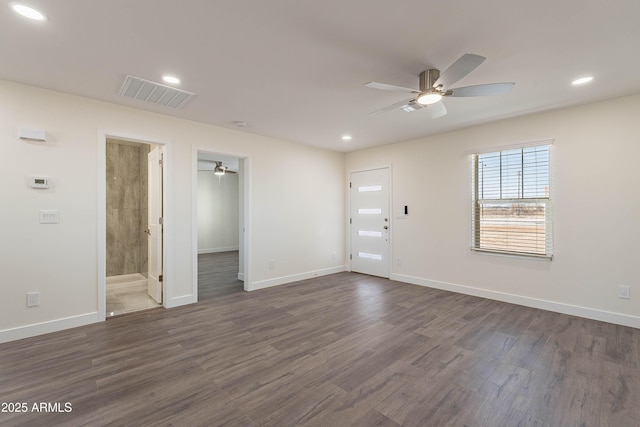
x,y
219,169
435,86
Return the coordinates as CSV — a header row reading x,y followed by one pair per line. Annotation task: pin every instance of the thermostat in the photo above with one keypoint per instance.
x,y
38,182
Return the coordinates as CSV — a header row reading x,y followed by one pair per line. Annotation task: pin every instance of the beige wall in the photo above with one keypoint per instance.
x,y
596,214
60,261
298,209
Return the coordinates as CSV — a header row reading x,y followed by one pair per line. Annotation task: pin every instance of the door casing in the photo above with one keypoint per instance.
x,y
245,227
167,285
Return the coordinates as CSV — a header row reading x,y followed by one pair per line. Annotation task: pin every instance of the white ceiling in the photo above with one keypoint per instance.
x,y
295,70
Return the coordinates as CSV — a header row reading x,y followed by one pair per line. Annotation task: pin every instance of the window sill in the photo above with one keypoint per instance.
x,y
512,254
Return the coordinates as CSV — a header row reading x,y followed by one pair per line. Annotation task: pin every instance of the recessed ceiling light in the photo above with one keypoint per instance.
x,y
28,12
582,80
171,79
346,137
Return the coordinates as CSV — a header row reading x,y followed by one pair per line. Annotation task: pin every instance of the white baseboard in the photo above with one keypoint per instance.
x,y
183,300
558,307
241,277
215,250
47,327
294,278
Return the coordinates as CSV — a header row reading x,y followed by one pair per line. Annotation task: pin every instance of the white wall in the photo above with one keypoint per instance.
x,y
596,216
218,212
300,202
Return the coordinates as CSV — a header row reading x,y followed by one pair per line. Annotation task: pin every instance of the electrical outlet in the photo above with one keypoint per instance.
x,y
398,262
334,256
272,264
624,292
33,299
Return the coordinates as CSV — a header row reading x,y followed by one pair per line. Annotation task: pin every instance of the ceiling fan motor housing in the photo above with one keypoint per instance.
x,y
428,78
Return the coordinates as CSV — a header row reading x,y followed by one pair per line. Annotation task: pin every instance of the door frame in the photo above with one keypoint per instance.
x,y
391,221
246,213
167,285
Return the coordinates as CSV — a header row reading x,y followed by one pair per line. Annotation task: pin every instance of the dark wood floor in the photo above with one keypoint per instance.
x,y
341,350
218,274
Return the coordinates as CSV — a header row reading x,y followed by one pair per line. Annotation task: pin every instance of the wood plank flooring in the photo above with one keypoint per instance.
x,y
218,274
341,350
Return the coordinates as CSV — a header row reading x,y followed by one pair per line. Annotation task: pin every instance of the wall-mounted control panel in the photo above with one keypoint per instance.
x,y
32,135
38,182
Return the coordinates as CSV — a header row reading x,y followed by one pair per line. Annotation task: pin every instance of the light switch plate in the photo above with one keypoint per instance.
x,y
49,217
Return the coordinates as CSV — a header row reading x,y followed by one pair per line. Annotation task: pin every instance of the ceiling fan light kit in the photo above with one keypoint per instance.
x,y
429,98
434,86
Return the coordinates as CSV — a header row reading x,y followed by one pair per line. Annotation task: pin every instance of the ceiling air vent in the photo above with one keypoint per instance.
x,y
155,93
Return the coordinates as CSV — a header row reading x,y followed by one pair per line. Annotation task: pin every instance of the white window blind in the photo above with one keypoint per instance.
x,y
511,207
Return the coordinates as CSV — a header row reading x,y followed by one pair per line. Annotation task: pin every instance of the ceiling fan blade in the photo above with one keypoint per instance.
x,y
437,110
395,106
394,88
483,90
463,66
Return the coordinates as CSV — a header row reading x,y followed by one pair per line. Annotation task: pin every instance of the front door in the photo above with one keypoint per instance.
x,y
370,222
154,229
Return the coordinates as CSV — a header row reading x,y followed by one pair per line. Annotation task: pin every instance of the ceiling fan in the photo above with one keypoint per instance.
x,y
434,86
220,168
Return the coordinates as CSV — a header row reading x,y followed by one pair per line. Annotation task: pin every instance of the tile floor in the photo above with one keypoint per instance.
x,y
127,294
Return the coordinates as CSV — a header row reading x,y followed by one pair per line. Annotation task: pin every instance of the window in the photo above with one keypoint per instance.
x,y
511,206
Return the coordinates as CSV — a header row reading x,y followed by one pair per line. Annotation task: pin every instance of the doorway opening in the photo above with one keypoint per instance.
x,y
220,237
133,226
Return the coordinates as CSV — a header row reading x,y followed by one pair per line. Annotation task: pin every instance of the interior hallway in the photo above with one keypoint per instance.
x,y
218,274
